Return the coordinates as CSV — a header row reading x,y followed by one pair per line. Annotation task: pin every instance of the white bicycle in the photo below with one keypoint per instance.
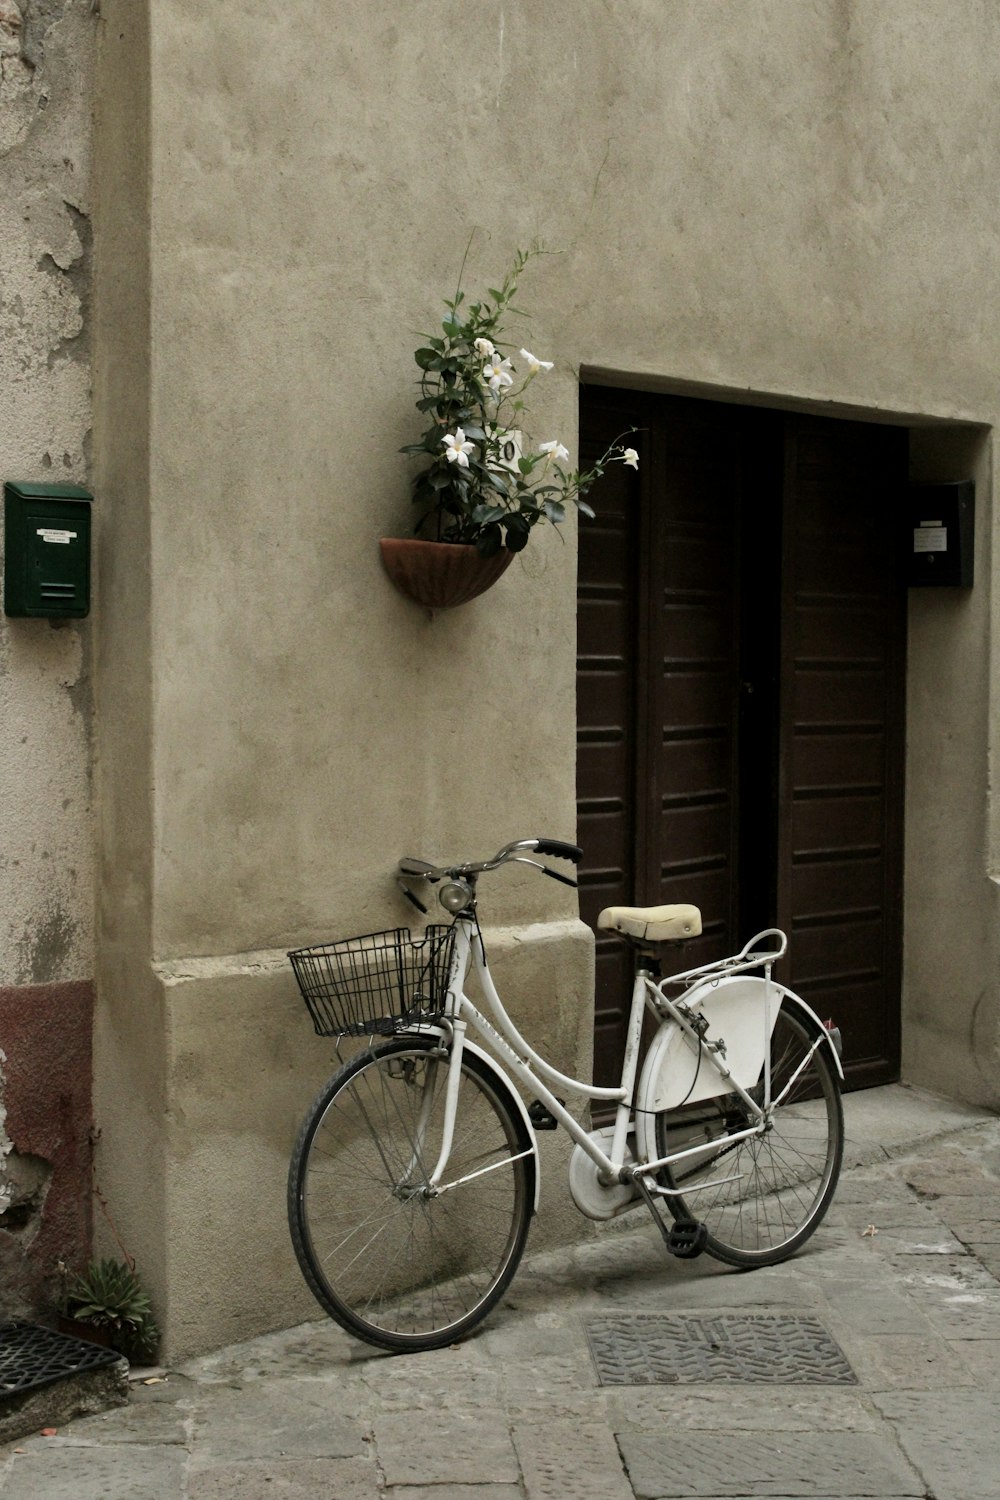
x,y
416,1171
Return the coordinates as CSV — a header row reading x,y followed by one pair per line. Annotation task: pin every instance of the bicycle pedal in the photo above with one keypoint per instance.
x,y
687,1239
540,1117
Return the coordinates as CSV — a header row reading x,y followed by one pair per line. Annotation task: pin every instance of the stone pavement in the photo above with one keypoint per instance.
x,y
903,1274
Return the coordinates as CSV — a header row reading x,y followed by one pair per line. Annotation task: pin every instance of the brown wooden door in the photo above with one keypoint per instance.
x,y
740,699
840,807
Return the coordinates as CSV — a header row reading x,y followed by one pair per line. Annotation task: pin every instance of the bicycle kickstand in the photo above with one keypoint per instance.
x,y
685,1238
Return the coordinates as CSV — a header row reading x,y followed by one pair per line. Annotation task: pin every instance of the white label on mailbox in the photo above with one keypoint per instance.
x,y
50,534
930,538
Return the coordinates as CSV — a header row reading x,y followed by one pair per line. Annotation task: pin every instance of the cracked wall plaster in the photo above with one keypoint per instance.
x,y
24,1181
45,1151
6,1144
46,72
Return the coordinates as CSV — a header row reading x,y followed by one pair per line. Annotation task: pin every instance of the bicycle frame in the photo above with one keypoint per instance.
x,y
532,1070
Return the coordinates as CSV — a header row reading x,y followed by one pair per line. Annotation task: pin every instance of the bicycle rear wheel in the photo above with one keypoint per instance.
x,y
392,1264
762,1197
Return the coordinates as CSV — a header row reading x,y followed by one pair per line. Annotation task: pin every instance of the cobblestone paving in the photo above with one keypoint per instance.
x,y
903,1275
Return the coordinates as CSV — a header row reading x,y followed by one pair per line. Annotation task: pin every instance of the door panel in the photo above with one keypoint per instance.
x,y
741,661
691,661
606,735
839,847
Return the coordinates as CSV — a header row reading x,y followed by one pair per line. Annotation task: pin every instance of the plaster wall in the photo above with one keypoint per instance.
x,y
793,199
46,829
952,893
46,927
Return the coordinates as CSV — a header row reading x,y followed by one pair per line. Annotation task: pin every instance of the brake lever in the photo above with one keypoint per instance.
x,y
521,859
413,900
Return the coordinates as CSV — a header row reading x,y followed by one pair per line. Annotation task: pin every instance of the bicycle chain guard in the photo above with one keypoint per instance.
x,y
596,1199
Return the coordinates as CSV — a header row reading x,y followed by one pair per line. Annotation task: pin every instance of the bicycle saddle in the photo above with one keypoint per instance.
x,y
653,924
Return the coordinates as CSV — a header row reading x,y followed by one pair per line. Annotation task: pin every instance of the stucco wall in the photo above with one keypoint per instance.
x,y
46,835
794,199
952,893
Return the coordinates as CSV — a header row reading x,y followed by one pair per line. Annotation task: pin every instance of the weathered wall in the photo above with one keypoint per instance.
x,y
952,889
46,860
45,1074
795,199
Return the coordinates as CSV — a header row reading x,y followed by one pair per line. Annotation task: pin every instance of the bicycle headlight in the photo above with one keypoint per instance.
x,y
455,895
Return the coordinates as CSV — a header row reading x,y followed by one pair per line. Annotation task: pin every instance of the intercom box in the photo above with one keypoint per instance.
x,y
939,534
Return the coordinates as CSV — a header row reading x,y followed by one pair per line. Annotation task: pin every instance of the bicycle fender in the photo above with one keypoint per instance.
x,y
522,1108
807,1010
502,1079
652,1095
733,1007
675,1074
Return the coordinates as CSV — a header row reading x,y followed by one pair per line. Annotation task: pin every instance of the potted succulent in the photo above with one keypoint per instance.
x,y
481,489
107,1305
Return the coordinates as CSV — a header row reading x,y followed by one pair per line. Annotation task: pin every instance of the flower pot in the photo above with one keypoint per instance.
x,y
440,575
91,1333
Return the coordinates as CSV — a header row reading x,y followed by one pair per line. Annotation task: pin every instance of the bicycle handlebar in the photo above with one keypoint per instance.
x,y
410,868
559,850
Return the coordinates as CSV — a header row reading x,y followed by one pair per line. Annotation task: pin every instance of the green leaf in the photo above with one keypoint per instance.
x,y
427,359
485,515
585,509
496,482
489,541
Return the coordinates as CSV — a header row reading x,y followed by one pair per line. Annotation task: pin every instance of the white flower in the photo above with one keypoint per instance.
x,y
485,348
495,373
534,365
631,457
457,448
554,450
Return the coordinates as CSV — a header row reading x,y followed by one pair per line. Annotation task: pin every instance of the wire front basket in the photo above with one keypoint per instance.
x,y
377,984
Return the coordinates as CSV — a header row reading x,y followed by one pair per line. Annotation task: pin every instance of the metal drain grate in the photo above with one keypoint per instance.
x,y
689,1349
31,1356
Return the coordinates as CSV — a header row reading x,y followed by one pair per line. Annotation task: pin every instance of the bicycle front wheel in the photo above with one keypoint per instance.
x,y
392,1261
760,1198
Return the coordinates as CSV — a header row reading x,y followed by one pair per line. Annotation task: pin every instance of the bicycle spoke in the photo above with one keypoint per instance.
x,y
400,1265
784,1174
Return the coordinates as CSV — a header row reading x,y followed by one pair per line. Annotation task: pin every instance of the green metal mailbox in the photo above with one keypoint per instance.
x,y
46,549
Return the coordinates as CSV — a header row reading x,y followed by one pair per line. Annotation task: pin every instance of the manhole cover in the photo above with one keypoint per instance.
x,y
32,1356
688,1349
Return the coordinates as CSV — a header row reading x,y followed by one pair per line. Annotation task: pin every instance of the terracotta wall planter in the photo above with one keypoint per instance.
x,y
440,575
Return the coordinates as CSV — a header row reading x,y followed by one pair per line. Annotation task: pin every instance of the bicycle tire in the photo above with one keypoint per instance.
x,y
396,1268
785,1177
